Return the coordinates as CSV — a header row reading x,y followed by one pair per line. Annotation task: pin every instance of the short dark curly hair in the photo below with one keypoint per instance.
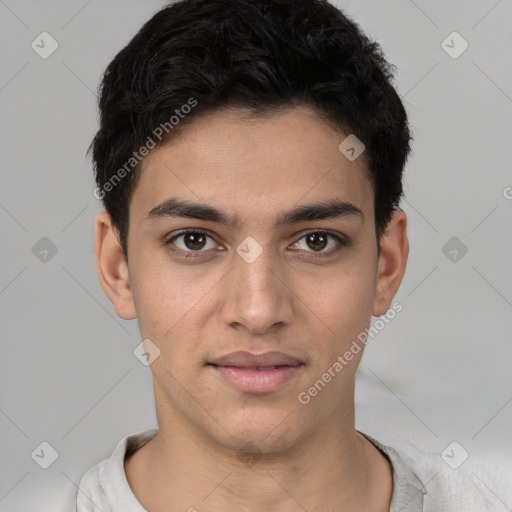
x,y
196,56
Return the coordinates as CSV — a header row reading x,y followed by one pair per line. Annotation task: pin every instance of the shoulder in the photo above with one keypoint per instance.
x,y
408,489
474,485
104,487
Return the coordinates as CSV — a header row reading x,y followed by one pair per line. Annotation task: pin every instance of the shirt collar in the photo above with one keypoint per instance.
x,y
408,490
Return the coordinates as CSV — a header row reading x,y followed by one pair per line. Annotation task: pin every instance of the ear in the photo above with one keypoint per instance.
x,y
394,250
112,268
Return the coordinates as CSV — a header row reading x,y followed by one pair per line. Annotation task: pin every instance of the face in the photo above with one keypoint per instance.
x,y
252,272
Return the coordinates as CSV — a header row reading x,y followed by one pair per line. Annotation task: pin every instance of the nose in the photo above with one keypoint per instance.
x,y
257,296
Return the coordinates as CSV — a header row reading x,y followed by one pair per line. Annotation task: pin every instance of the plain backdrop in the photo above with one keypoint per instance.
x,y
438,373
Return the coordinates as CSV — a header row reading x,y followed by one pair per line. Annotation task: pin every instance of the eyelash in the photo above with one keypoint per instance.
x,y
197,254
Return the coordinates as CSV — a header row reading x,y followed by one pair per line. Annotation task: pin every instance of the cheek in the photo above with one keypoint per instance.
x,y
342,306
162,297
171,305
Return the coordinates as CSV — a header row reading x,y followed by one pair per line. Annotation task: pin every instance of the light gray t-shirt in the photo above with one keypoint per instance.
x,y
104,488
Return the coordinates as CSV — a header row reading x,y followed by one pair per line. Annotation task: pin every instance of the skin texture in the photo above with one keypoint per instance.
x,y
194,309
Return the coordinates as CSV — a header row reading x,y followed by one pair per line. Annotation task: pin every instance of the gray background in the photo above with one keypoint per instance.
x,y
439,372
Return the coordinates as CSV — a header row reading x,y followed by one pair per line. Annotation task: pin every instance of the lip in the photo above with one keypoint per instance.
x,y
244,359
240,370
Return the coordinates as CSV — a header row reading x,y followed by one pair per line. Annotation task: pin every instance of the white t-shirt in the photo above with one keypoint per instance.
x,y
420,485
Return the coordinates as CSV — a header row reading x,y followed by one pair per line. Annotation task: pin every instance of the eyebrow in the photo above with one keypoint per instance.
x,y
323,210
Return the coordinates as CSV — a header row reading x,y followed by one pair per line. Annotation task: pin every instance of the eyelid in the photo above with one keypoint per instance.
x,y
334,234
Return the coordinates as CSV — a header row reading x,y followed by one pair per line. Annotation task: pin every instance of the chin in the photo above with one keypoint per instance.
x,y
259,435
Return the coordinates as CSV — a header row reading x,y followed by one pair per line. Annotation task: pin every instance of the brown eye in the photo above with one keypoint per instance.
x,y
319,241
316,241
192,241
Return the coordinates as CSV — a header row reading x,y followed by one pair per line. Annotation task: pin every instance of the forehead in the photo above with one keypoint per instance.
x,y
252,168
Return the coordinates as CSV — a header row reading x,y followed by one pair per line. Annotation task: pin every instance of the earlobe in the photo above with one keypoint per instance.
x,y
112,269
394,250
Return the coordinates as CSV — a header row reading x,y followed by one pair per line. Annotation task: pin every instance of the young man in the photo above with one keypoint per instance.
x,y
249,158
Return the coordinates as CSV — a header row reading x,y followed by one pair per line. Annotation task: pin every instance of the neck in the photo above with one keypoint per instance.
x,y
336,468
